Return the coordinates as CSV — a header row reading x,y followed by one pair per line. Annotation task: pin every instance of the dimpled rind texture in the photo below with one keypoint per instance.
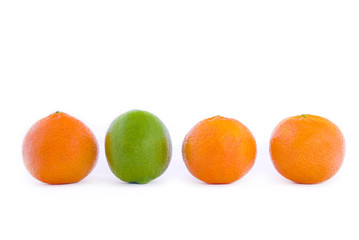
x,y
138,147
307,149
59,149
219,150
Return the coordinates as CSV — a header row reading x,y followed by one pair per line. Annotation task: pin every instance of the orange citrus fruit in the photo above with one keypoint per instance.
x,y
59,149
219,150
307,148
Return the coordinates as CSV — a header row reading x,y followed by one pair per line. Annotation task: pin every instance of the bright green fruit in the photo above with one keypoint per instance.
x,y
138,147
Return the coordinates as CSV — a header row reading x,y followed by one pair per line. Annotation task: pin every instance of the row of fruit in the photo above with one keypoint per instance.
x,y
60,149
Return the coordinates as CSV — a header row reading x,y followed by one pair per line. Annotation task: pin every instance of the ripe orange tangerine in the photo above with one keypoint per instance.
x,y
219,150
59,149
307,148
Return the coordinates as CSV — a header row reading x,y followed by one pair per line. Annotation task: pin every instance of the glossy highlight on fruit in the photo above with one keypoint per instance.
x,y
219,150
138,147
59,149
307,149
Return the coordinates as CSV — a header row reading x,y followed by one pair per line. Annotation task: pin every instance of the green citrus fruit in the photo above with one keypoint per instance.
x,y
138,147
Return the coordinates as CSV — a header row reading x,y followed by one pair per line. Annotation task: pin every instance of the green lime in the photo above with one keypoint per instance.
x,y
138,147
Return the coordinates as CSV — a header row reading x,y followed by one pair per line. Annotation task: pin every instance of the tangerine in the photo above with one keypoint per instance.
x,y
59,149
219,150
307,149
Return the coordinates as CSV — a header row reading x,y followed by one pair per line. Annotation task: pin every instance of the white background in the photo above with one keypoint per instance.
x,y
256,61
